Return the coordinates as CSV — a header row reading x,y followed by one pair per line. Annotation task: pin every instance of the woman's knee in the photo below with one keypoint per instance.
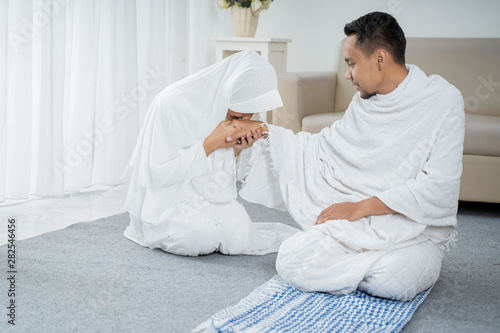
x,y
186,240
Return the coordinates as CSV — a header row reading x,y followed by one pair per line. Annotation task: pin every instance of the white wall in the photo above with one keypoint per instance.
x,y
316,27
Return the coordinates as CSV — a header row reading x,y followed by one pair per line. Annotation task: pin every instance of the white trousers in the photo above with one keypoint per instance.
x,y
313,261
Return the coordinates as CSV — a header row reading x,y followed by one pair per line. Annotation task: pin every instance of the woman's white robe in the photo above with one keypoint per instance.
x,y
179,199
404,148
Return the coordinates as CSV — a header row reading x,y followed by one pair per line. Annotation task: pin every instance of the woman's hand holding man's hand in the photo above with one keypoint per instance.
x,y
239,134
245,128
248,132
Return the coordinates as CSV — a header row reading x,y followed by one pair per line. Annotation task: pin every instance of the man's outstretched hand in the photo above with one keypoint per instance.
x,y
353,211
244,127
248,132
237,133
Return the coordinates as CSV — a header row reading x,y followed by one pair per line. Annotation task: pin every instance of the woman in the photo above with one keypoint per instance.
x,y
182,174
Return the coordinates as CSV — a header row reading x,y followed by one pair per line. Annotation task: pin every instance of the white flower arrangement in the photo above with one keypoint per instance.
x,y
256,5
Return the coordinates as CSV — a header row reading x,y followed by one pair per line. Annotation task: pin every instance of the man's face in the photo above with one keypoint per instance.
x,y
235,115
362,71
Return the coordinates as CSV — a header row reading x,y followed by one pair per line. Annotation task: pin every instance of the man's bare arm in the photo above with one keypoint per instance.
x,y
353,211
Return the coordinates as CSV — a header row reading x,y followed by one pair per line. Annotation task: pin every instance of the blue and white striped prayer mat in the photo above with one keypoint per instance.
x,y
278,307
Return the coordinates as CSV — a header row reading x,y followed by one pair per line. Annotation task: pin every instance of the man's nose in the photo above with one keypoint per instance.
x,y
348,75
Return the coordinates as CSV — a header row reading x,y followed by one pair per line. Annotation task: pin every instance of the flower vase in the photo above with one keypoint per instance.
x,y
244,21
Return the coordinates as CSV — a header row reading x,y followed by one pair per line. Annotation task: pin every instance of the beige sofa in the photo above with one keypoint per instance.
x,y
314,100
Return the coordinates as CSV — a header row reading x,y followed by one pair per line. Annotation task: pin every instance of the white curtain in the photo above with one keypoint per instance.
x,y
76,79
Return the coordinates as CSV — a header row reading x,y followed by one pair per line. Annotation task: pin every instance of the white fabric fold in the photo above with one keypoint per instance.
x,y
272,99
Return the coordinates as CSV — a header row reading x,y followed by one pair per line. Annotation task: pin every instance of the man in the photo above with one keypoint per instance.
x,y
377,192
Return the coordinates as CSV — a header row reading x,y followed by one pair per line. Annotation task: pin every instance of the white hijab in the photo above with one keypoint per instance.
x,y
168,150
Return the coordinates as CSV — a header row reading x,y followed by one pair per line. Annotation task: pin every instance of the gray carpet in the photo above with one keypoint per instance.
x,y
89,278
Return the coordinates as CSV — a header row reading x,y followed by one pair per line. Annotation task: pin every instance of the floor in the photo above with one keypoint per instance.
x,y
467,283
40,215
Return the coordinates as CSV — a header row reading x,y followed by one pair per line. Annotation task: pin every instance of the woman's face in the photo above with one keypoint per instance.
x,y
235,115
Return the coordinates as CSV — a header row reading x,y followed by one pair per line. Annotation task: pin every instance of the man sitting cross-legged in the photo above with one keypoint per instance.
x,y
377,192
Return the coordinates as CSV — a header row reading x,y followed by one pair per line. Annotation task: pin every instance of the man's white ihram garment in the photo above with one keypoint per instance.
x,y
181,201
404,147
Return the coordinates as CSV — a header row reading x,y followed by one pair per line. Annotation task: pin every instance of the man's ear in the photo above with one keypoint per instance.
x,y
381,58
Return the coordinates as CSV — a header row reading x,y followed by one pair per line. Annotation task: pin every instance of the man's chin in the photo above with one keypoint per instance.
x,y
365,95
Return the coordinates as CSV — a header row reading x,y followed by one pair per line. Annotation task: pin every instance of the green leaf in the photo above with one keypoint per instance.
x,y
245,3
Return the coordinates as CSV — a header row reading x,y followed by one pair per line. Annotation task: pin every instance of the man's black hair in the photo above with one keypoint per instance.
x,y
378,30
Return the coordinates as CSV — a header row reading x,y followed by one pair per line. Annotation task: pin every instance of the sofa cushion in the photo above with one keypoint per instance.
x,y
316,122
482,135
